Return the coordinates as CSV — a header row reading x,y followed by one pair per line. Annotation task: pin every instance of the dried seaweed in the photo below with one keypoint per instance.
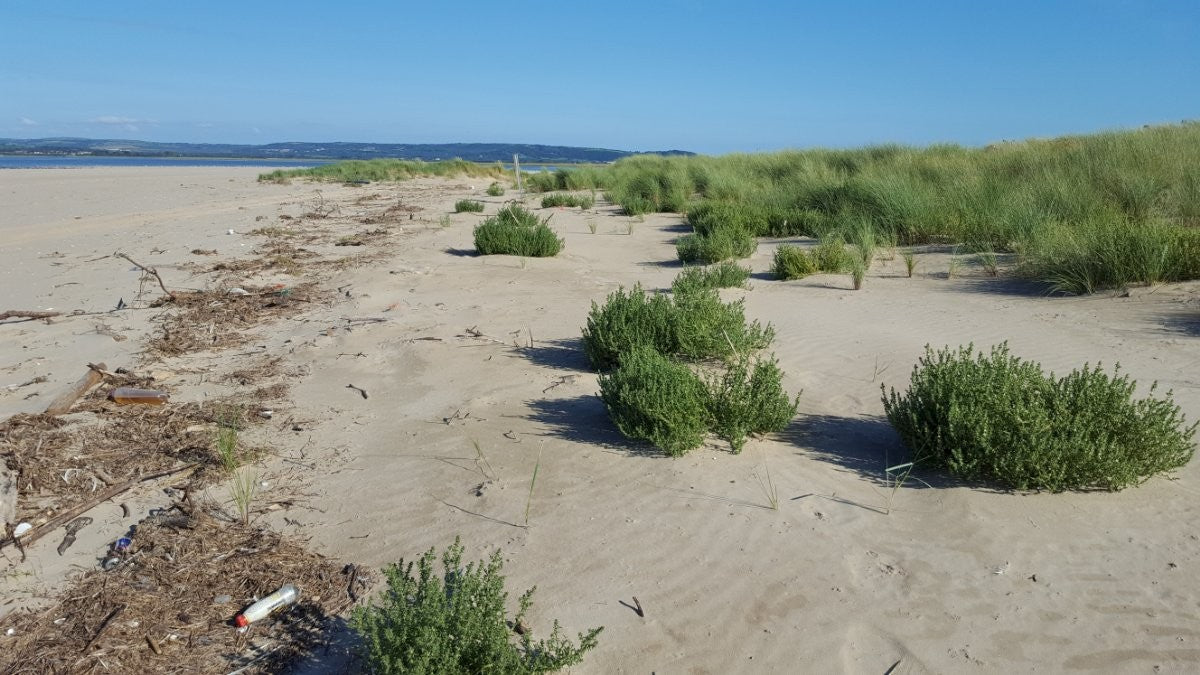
x,y
167,604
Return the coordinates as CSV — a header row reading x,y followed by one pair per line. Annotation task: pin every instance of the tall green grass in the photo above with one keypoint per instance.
x,y
1081,213
387,170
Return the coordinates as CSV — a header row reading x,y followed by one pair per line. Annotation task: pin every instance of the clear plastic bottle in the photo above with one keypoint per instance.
x,y
263,608
125,395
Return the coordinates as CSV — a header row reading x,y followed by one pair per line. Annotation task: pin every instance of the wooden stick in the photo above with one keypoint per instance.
x,y
105,495
65,400
103,624
26,314
148,270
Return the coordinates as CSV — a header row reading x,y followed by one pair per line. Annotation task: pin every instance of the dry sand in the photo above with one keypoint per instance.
x,y
953,579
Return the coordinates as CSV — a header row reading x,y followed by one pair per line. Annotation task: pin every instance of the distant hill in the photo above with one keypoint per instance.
x,y
475,152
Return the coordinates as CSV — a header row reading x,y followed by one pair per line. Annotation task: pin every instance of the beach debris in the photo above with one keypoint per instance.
x,y
1001,569
26,315
263,608
148,270
8,496
72,528
128,395
120,304
204,251
358,389
21,529
37,380
266,414
229,232
238,291
65,400
636,606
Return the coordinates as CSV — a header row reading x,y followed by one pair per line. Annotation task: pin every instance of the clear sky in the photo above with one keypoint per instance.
x,y
711,77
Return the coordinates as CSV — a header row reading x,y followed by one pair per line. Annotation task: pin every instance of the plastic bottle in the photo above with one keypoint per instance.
x,y
144,396
263,608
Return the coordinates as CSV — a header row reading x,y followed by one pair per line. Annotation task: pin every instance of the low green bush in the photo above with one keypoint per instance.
x,y
694,325
792,262
748,398
996,417
722,275
495,190
628,320
652,398
455,622
516,231
468,206
562,199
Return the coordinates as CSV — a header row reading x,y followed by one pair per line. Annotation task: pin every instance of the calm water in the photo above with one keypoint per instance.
x,y
45,162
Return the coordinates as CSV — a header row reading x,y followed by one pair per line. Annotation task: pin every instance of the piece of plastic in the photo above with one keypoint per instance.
x,y
263,608
127,395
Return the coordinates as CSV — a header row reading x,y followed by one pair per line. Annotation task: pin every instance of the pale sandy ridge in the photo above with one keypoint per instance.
x,y
955,579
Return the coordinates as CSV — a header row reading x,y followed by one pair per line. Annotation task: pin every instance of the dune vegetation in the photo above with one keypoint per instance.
x,y
1080,213
388,169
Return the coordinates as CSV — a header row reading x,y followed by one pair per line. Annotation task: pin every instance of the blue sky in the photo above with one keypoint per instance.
x,y
711,77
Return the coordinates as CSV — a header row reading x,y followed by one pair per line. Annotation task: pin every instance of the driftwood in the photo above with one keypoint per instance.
x,y
74,512
26,314
8,495
65,400
147,270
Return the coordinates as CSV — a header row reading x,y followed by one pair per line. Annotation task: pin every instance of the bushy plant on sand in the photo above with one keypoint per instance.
x,y
748,398
830,255
495,190
468,206
652,398
694,325
516,231
456,624
996,417
792,262
722,275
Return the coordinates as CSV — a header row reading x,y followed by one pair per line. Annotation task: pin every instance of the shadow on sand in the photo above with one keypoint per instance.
x,y
583,419
561,354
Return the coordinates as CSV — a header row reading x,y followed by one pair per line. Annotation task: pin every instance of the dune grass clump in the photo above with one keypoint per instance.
x,y
455,622
653,398
495,189
998,418
831,256
516,231
715,246
792,262
1064,207
694,325
468,206
722,275
584,202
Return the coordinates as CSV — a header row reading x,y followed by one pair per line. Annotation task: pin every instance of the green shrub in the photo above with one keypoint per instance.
x,y
495,190
706,328
694,325
456,624
560,199
718,245
999,418
468,206
652,398
748,398
516,231
721,275
792,262
627,321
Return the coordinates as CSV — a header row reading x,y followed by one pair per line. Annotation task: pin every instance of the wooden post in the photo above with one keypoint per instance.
x,y
67,399
517,170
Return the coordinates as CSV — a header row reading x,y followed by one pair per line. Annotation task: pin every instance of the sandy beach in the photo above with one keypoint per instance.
x,y
447,351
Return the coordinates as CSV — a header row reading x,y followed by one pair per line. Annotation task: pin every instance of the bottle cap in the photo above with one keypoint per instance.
x,y
240,621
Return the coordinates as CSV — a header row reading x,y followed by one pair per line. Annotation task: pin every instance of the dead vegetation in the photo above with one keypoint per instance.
x,y
62,462
166,603
219,318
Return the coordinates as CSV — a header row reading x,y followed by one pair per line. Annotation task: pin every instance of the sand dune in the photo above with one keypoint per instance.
x,y
844,577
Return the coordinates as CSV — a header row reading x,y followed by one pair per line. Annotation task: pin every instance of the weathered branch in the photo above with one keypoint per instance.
x,y
65,400
26,314
147,270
